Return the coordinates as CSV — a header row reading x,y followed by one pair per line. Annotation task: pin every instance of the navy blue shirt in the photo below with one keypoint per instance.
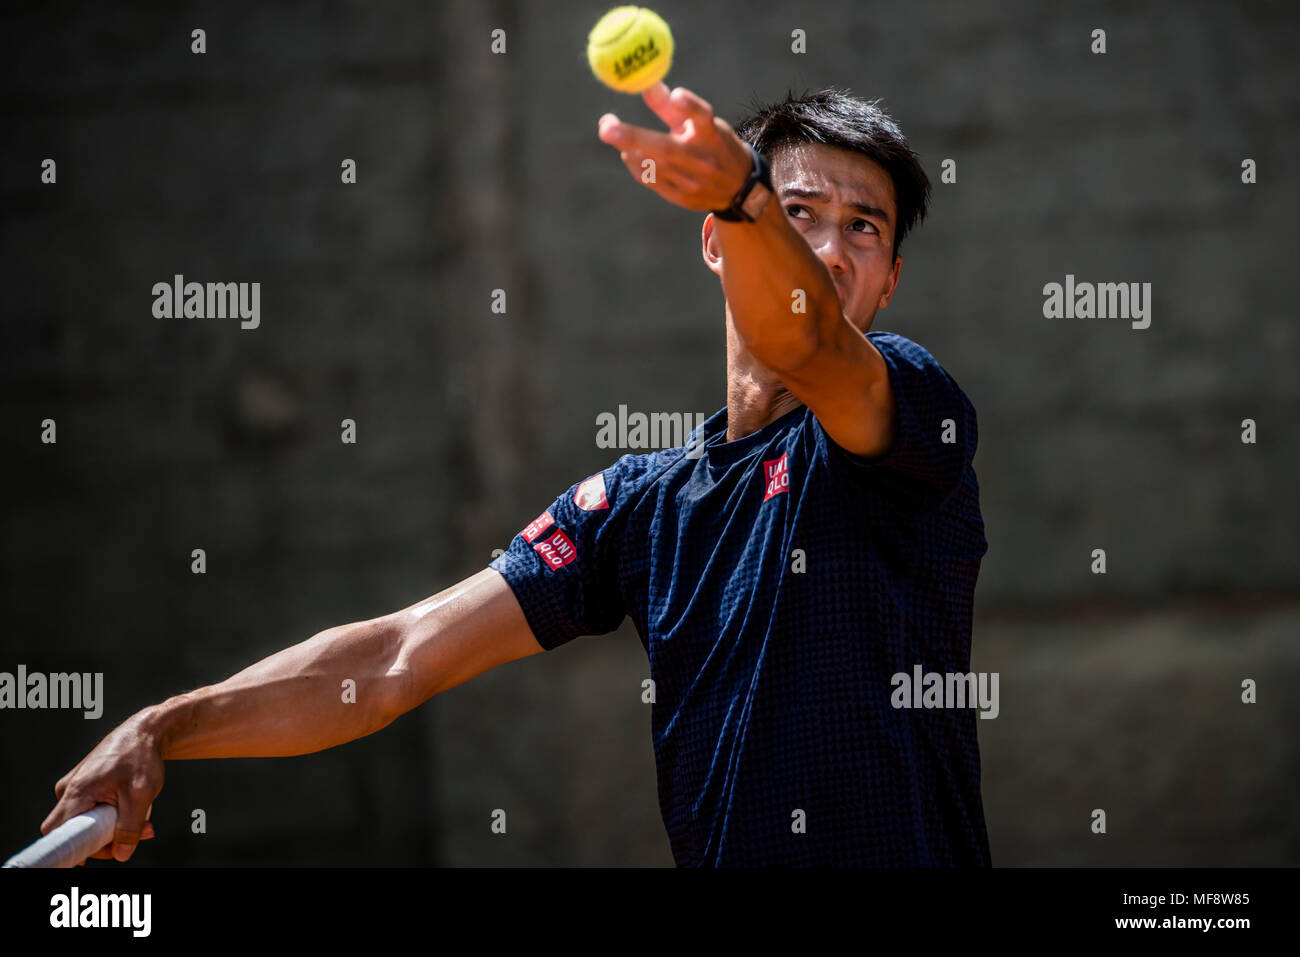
x,y
778,583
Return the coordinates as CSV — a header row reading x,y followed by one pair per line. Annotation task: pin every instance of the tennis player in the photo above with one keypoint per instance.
x,y
818,535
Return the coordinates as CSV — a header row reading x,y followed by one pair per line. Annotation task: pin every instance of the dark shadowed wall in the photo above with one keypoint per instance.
x,y
480,171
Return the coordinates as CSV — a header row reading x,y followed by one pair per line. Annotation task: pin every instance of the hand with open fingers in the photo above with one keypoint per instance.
x,y
699,164
125,770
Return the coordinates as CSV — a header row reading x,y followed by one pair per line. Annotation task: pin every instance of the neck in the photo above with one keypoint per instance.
x,y
755,395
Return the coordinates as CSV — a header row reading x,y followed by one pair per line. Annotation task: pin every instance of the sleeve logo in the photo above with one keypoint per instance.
x,y
538,525
778,477
590,496
557,551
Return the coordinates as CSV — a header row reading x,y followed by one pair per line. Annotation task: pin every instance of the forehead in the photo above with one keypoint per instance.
x,y
843,175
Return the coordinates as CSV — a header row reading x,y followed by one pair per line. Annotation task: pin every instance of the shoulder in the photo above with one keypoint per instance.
x,y
632,476
891,344
634,470
914,364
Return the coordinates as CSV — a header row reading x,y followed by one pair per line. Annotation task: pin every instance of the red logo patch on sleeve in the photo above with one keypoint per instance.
x,y
778,477
557,551
538,525
590,495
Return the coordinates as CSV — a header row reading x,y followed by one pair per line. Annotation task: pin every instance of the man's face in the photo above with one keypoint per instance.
x,y
843,205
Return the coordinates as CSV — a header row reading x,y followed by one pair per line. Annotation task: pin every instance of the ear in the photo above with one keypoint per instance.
x,y
709,247
892,285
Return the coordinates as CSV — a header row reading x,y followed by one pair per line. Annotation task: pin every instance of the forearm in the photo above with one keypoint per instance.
x,y
297,701
764,262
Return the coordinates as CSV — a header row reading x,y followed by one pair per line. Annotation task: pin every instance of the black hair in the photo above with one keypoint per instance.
x,y
837,118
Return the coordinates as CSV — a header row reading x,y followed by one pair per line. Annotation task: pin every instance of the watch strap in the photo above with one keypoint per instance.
x,y
740,211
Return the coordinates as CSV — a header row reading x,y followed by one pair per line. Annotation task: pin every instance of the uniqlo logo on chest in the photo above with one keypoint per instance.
x,y
557,551
778,477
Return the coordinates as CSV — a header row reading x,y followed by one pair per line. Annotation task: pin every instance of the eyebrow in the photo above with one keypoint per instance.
x,y
863,208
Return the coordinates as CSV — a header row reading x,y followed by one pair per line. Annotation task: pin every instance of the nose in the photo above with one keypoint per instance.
x,y
828,244
836,270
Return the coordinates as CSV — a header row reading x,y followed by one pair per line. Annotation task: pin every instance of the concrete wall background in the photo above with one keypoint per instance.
x,y
479,172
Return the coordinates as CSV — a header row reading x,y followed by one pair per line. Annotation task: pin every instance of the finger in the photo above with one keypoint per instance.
x,y
148,831
677,180
659,99
67,808
670,157
682,191
130,822
678,107
634,160
606,119
124,843
624,136
60,788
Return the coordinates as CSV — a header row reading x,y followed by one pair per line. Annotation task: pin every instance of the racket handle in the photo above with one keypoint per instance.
x,y
71,842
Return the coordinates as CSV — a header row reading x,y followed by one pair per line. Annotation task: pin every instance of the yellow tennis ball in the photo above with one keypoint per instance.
x,y
630,49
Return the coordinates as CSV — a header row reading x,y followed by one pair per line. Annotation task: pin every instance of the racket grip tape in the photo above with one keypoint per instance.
x,y
72,841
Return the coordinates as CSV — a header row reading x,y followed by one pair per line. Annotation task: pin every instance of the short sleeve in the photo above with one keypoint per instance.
x,y
563,566
935,430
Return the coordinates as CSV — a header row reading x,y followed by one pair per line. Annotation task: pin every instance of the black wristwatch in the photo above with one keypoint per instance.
x,y
749,203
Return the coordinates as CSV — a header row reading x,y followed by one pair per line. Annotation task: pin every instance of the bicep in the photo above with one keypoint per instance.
x,y
458,634
845,382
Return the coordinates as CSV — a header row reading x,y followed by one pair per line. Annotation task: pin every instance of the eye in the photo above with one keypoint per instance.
x,y
867,223
792,207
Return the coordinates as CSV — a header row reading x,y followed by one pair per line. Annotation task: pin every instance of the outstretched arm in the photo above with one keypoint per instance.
x,y
294,702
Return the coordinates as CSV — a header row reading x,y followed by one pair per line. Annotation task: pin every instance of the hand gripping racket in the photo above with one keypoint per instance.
x,y
72,841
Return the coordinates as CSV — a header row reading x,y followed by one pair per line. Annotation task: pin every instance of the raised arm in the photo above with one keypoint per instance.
x,y
344,683
821,356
